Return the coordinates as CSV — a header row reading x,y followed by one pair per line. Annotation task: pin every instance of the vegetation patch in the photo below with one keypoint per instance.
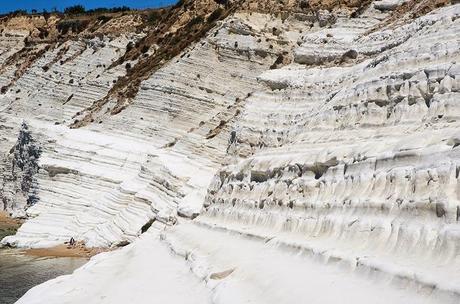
x,y
75,26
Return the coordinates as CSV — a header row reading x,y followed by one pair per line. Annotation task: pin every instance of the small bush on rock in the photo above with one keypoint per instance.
x,y
75,10
215,15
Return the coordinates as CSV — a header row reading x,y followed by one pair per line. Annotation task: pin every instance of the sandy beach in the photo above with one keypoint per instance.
x,y
78,250
8,225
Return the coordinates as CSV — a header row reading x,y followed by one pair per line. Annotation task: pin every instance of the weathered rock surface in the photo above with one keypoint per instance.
x,y
20,166
315,149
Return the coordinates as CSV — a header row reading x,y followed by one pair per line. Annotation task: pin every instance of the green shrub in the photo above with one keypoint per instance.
x,y
145,49
154,16
215,15
19,13
104,18
129,46
196,20
74,25
75,10
108,10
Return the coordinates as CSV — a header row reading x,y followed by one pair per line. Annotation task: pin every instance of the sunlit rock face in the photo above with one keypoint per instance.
x,y
278,149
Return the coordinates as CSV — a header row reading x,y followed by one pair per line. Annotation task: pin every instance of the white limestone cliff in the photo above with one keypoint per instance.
x,y
308,158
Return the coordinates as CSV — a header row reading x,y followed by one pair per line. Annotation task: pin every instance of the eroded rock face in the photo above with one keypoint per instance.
x,y
20,166
329,128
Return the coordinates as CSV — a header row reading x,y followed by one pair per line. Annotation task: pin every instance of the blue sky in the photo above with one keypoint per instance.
x,y
12,5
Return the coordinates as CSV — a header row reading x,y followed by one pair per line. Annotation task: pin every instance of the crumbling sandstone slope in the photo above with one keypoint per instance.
x,y
244,132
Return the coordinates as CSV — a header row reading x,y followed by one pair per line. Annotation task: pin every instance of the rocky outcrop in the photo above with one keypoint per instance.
x,y
20,166
327,130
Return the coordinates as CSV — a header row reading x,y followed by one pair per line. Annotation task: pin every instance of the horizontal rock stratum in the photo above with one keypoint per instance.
x,y
247,151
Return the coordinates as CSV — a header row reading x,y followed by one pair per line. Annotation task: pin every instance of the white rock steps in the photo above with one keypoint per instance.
x,y
161,278
71,82
190,263
369,175
351,160
180,114
99,189
68,85
271,272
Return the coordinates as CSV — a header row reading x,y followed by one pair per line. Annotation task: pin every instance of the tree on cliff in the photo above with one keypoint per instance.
x,y
75,10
